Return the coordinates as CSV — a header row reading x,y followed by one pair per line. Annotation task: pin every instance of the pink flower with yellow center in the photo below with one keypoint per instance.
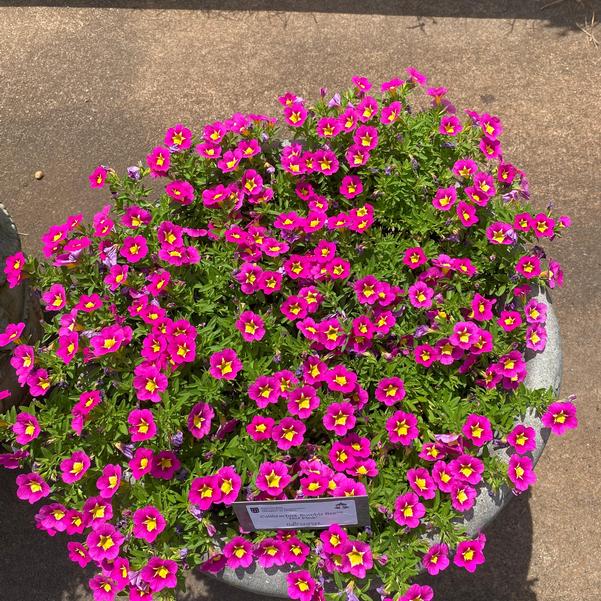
x,y
408,510
436,558
74,467
450,126
108,484
522,438
340,418
225,364
560,417
477,429
520,472
390,391
402,428
204,492
26,428
238,553
469,554
141,425
273,478
148,523
159,574
104,542
288,433
301,585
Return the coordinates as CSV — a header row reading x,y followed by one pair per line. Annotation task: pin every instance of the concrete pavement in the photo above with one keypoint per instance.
x,y
87,85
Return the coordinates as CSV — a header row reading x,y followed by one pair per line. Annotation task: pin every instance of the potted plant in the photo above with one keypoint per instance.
x,y
334,307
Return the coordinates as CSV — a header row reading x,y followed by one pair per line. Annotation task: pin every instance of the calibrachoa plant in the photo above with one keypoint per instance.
x,y
345,312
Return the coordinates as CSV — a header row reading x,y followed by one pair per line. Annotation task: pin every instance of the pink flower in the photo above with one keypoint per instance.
x,y
55,298
103,587
509,320
391,112
260,428
490,148
269,282
110,339
351,186
339,418
420,295
528,266
251,326
288,433
229,484
31,487
418,592
367,109
535,312
199,420
180,191
116,276
38,381
148,523
465,168
179,137
238,553
421,482
273,478
78,553
450,126
295,551
465,333
270,552
340,379
225,364
390,391
141,463
443,476
560,417
520,472
477,429
149,382
467,214
301,585
463,496
26,428
482,308
367,290
500,233
13,268
74,467
425,354
159,161
522,439
134,248
436,559
159,574
414,257
164,465
444,198
295,114
467,468
536,337
109,482
302,401
408,511
294,307
402,428
96,511
264,391
204,491
358,558
469,553
98,177
141,425
104,542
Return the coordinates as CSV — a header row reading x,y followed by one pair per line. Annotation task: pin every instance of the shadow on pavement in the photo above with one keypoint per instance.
x,y
35,567
563,14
